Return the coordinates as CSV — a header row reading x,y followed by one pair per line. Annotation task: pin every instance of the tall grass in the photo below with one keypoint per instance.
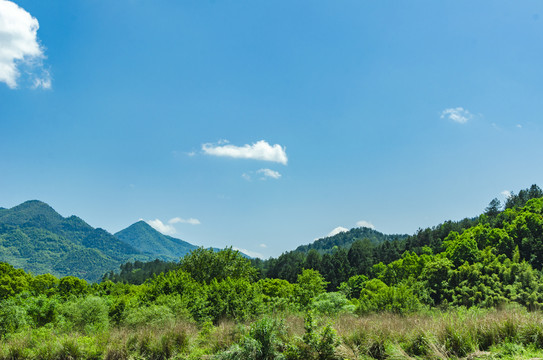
x,y
438,335
510,332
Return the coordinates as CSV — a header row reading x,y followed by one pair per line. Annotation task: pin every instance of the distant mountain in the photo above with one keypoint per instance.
x,y
347,238
147,240
33,236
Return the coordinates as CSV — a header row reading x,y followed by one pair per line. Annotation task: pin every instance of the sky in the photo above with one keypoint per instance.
x,y
264,125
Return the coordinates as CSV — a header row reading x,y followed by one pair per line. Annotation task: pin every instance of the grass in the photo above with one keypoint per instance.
x,y
510,333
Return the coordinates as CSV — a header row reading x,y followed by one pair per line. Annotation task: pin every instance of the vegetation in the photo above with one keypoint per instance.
x,y
36,238
472,288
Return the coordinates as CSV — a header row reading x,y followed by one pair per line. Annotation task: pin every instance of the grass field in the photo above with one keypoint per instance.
x,y
510,333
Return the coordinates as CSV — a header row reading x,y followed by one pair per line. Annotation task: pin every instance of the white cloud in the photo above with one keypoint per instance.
x,y
268,173
506,193
366,224
168,228
337,230
159,226
260,150
264,174
190,221
19,47
253,254
458,115
263,246
519,126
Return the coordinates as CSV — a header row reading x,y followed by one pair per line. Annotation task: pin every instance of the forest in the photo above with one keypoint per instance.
x,y
470,288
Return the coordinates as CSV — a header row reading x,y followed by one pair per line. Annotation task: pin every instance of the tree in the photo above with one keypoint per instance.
x,y
360,257
461,248
310,284
523,196
493,207
204,265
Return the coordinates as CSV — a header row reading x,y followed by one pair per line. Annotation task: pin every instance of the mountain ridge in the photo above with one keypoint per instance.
x,y
33,236
148,240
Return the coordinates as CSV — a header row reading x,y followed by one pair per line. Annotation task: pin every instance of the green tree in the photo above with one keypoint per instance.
x,y
360,257
461,248
12,281
70,285
204,265
310,284
493,207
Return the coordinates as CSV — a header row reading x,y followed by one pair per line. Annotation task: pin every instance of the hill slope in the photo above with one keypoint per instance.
x,y
147,240
33,236
347,238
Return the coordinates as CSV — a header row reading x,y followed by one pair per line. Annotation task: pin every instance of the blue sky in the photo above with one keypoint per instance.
x,y
266,124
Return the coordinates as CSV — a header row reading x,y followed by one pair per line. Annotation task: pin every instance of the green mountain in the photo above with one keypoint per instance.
x,y
147,240
33,236
347,238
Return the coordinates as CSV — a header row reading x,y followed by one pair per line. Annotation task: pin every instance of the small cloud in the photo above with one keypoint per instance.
x,y
337,230
190,221
268,173
159,226
263,246
506,194
458,115
44,81
519,126
366,224
191,153
263,173
169,228
260,150
253,254
20,48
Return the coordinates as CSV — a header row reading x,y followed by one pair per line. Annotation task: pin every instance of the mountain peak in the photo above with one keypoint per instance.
x,y
31,211
145,238
32,204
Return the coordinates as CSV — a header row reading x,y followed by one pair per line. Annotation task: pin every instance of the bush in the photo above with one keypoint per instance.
x,y
262,343
42,310
88,314
332,303
154,315
315,344
13,317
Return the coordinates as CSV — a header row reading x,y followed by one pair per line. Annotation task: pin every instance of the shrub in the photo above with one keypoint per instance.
x,y
332,304
315,344
88,314
13,317
262,343
154,315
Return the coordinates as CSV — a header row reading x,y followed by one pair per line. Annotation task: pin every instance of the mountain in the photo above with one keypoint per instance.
x,y
347,238
147,240
33,236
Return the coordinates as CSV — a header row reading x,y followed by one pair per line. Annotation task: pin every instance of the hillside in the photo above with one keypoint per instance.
x,y
34,237
347,238
147,240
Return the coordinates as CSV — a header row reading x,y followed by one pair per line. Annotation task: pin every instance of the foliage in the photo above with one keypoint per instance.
x,y
332,303
317,344
205,265
263,342
137,272
310,284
